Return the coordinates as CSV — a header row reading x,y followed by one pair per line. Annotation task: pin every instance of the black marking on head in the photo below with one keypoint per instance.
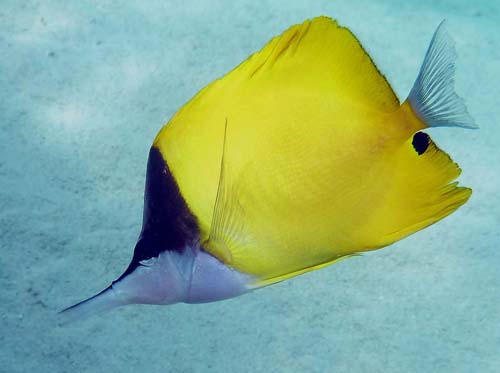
x,y
420,142
168,224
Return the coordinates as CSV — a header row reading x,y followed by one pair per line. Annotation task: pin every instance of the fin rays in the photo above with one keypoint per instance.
x,y
227,213
433,96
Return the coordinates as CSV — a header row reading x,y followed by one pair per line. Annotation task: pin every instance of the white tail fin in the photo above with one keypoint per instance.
x,y
433,96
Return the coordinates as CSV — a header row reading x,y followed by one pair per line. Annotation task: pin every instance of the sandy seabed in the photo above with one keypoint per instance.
x,y
86,85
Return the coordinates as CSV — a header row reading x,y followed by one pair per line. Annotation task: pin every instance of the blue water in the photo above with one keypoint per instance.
x,y
86,85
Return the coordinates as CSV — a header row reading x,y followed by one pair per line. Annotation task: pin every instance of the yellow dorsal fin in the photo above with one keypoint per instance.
x,y
320,54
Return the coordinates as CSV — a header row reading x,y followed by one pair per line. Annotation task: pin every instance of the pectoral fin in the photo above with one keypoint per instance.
x,y
227,218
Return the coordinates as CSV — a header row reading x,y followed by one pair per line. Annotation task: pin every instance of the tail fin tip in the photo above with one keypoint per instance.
x,y
433,96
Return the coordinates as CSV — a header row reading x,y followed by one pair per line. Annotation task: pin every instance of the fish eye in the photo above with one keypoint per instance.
x,y
420,142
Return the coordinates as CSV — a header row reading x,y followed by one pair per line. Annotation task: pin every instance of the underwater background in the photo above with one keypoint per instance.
x,y
84,88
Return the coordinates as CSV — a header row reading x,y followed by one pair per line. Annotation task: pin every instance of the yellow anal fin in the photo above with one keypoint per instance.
x,y
421,192
274,280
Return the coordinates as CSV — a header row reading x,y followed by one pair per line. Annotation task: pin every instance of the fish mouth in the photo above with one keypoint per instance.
x,y
193,276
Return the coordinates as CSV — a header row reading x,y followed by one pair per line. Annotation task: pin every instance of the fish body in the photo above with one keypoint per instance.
x,y
298,158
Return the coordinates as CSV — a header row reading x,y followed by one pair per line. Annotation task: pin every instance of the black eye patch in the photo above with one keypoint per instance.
x,y
420,142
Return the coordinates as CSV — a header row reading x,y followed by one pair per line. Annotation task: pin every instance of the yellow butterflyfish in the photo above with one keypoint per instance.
x,y
298,158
